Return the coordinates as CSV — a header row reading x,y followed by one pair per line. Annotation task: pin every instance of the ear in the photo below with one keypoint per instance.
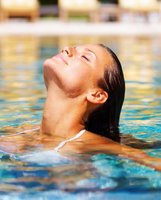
x,y
98,96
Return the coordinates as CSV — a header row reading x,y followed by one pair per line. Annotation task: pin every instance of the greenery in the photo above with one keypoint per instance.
x,y
55,2
48,2
109,1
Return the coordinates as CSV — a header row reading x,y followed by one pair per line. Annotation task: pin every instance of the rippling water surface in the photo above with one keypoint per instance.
x,y
42,175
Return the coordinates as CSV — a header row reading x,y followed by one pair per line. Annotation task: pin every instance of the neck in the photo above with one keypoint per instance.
x,y
62,117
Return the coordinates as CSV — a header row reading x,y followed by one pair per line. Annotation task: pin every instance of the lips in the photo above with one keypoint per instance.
x,y
60,56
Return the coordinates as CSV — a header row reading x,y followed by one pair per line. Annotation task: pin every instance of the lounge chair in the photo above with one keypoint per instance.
x,y
19,8
140,6
90,7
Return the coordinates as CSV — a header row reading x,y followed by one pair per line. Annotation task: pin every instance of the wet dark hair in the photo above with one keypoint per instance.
x,y
105,119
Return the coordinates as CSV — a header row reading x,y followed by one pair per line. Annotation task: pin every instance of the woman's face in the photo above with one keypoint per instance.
x,y
76,69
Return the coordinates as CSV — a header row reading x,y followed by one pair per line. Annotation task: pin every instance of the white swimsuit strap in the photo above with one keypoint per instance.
x,y
61,144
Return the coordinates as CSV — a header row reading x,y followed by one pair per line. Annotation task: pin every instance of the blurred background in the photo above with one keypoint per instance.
x,y
96,10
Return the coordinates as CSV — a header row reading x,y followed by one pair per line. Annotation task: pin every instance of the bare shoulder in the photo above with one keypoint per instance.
x,y
95,138
100,144
10,130
94,142
15,139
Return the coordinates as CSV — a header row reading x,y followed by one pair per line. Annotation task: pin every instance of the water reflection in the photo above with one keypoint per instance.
x,y
140,59
138,56
19,67
18,57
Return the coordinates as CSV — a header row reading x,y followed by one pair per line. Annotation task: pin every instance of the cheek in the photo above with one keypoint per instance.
x,y
79,72
77,79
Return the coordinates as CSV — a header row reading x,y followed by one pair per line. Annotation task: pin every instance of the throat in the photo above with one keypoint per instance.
x,y
64,128
61,119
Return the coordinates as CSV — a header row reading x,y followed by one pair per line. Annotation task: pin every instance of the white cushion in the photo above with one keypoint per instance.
x,y
79,4
18,3
145,5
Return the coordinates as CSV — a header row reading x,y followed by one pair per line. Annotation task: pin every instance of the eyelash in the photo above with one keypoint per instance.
x,y
85,58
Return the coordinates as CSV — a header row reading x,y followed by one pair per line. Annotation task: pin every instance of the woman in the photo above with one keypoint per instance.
x,y
91,75
85,93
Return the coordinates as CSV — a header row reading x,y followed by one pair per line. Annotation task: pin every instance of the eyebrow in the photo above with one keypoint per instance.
x,y
91,51
87,49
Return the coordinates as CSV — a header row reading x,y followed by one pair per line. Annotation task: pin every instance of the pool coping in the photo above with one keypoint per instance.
x,y
59,28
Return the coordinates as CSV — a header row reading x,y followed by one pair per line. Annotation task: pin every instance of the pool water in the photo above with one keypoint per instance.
x,y
45,175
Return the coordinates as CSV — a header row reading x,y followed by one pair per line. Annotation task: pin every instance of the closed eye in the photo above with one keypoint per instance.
x,y
86,58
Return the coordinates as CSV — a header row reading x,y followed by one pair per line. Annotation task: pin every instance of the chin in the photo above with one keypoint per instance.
x,y
48,68
52,72
48,63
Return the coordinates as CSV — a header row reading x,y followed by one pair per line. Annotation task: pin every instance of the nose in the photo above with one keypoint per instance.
x,y
69,51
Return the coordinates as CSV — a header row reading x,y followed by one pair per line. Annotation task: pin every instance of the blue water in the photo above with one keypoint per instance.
x,y
43,175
